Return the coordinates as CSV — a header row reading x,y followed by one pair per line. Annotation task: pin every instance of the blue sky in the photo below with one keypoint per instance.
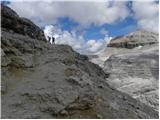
x,y
93,32
88,25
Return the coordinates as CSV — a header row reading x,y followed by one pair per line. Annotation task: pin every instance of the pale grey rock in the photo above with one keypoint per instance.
x,y
133,42
132,62
103,55
136,74
135,39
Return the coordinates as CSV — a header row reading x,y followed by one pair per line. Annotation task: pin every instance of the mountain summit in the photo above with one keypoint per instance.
x,y
134,39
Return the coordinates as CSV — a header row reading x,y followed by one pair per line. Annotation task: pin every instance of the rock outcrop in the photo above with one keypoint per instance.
x,y
133,42
40,80
136,74
13,23
135,39
132,62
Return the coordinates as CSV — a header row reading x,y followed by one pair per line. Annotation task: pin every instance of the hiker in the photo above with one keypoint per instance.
x,y
51,34
51,39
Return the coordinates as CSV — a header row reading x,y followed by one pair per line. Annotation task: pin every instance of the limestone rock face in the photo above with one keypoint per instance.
x,y
103,55
133,42
40,80
136,74
135,39
132,62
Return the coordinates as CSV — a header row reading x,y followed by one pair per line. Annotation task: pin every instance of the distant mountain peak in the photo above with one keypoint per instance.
x,y
134,39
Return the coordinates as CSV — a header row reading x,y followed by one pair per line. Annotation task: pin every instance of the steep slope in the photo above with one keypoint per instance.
x,y
14,23
132,61
136,74
103,55
40,80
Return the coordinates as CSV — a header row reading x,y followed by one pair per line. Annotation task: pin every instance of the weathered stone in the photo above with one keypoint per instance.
x,y
135,39
11,21
136,74
133,71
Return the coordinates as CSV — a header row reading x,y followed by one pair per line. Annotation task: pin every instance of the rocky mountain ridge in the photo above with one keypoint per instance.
x,y
40,80
136,74
132,61
138,38
12,22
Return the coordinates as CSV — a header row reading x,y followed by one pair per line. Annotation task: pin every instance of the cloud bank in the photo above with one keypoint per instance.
x,y
78,43
85,13
146,14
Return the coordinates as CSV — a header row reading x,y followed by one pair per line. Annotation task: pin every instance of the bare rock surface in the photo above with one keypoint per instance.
x,y
40,80
135,39
136,74
132,62
133,42
103,55
14,23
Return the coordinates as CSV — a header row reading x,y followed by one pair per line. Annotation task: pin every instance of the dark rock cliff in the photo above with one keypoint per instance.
x,y
13,23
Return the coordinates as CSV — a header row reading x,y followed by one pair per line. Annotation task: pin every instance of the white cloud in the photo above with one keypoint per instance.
x,y
77,42
85,13
107,38
94,46
146,13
